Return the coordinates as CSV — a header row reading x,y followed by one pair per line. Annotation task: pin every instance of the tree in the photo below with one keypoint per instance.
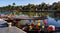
x,y
44,6
58,6
14,4
13,7
9,7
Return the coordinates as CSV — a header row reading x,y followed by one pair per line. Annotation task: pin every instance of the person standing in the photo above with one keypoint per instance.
x,y
9,25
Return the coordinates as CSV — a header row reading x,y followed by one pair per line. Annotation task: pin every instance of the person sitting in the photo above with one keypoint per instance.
x,y
37,27
30,27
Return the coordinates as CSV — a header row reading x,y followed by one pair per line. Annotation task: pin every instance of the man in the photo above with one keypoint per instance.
x,y
9,25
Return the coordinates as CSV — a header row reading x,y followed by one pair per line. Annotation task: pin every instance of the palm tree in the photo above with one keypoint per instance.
x,y
14,4
13,7
9,7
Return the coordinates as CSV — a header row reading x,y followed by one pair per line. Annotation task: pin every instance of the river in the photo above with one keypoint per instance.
x,y
50,20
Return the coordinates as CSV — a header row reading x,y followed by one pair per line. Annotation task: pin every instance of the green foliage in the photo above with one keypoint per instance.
x,y
32,7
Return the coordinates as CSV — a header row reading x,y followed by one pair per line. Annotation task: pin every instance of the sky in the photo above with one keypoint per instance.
x,y
25,2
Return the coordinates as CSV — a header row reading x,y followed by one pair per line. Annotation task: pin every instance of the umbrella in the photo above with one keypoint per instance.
x,y
51,28
38,24
42,26
45,22
34,20
38,20
31,20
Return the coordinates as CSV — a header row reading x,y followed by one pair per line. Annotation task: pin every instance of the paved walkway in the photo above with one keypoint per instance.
x,y
13,29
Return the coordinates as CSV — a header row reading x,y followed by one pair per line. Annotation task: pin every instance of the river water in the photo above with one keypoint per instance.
x,y
50,20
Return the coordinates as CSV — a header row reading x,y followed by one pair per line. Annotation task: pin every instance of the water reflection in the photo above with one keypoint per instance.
x,y
52,21
52,18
